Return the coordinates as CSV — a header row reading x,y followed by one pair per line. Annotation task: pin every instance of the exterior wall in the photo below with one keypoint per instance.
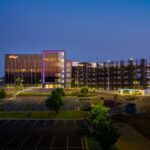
x,y
112,75
24,66
53,68
84,74
68,73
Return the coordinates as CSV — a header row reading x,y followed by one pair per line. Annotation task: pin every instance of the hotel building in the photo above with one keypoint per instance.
x,y
51,69
47,69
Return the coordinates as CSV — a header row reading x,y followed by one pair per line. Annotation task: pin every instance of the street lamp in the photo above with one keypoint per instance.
x,y
108,61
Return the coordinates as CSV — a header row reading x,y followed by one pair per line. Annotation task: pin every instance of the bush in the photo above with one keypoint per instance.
x,y
2,94
19,84
84,90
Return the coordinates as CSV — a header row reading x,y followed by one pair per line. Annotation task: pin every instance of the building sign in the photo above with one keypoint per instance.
x,y
13,56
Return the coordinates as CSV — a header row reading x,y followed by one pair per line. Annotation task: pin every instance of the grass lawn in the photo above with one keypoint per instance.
x,y
65,114
131,140
141,123
33,94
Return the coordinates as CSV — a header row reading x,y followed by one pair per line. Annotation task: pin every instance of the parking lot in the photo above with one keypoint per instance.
x,y
38,103
24,103
43,134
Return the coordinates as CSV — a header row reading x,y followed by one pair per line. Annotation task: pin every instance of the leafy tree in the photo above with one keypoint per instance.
x,y
60,91
2,94
54,101
84,90
104,131
18,84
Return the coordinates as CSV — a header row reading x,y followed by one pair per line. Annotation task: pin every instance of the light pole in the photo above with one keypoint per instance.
x,y
108,61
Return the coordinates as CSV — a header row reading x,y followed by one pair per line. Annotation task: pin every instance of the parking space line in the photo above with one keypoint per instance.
x,y
53,141
85,144
67,142
82,142
5,146
37,145
24,142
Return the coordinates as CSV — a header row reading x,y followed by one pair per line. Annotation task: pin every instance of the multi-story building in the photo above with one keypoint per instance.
x,y
28,67
46,69
51,70
112,75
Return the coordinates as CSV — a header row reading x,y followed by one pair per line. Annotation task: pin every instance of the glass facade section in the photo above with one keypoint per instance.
x,y
27,67
53,68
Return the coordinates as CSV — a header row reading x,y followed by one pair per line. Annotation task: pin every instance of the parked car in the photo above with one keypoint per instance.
x,y
130,108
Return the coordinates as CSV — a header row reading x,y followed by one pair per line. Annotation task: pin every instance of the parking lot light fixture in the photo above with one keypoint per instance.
x,y
108,61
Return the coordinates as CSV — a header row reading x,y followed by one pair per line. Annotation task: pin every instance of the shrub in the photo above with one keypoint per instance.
x,y
84,90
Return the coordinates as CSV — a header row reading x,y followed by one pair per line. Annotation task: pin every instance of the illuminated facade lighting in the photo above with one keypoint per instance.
x,y
51,70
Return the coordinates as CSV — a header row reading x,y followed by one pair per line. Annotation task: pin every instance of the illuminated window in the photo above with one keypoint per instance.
x,y
68,75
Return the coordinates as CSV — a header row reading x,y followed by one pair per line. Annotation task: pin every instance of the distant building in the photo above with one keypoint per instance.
x,y
113,75
51,69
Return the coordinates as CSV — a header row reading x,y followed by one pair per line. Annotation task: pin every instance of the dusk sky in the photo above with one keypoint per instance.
x,y
89,30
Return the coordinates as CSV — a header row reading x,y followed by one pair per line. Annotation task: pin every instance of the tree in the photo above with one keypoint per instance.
x,y
60,91
54,101
104,131
19,84
84,90
2,94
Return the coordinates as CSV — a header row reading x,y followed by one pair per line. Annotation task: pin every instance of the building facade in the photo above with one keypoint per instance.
x,y
28,67
46,69
51,69
112,75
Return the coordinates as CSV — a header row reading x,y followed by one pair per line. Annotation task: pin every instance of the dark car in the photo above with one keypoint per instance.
x,y
130,108
109,103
